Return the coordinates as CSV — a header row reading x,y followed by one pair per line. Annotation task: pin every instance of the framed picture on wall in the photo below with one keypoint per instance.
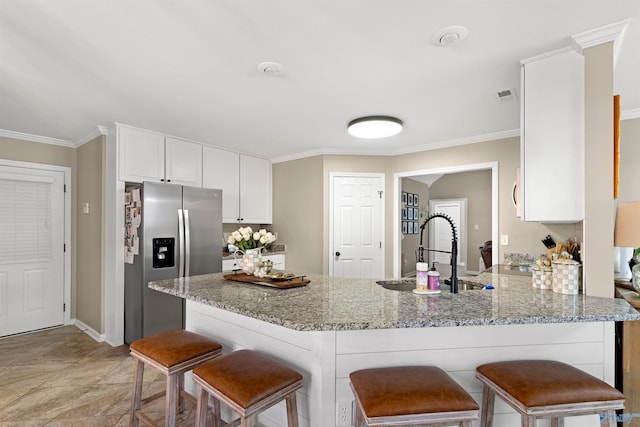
x,y
416,215
410,227
415,200
409,199
404,213
416,228
404,197
404,227
409,213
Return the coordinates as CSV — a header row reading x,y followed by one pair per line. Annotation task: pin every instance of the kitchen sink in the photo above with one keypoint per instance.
x,y
410,285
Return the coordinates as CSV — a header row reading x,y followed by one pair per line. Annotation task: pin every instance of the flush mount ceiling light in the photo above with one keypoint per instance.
x,y
372,127
271,69
449,36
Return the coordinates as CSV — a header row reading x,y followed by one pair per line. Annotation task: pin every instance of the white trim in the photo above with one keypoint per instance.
x,y
67,225
494,136
35,138
100,130
546,55
630,114
332,175
608,33
88,330
397,193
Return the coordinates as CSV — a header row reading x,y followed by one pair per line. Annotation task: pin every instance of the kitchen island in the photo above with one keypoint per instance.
x,y
334,326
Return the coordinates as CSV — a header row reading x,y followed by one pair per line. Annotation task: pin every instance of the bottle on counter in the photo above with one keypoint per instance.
x,y
433,279
422,276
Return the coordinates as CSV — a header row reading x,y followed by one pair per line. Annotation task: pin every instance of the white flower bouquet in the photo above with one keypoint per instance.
x,y
245,238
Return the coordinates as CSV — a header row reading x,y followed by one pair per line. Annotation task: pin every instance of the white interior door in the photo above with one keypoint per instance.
x,y
357,225
440,232
31,249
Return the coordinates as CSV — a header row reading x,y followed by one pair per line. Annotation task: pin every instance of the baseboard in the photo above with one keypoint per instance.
x,y
87,330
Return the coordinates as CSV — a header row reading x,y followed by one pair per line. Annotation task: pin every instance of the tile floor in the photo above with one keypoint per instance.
x,y
62,377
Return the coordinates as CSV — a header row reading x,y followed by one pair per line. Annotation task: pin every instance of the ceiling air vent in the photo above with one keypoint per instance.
x,y
506,95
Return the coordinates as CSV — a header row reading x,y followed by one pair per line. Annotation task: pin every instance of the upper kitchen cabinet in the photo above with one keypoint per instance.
x,y
552,137
152,156
245,182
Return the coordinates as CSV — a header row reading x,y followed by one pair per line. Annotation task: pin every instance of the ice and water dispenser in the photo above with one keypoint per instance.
x,y
164,252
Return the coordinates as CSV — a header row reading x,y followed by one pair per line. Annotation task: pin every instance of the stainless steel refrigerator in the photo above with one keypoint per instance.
x,y
180,235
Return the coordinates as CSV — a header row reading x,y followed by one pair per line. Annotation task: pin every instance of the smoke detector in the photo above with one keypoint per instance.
x,y
449,36
506,95
271,69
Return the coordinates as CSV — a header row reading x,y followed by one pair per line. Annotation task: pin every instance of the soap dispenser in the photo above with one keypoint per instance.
x,y
433,278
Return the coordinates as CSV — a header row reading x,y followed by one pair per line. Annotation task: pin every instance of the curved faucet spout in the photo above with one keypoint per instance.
x,y
454,248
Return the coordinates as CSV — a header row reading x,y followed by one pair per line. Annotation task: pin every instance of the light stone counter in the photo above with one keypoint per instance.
x,y
330,303
333,326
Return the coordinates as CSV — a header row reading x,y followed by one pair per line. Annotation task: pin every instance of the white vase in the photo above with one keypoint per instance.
x,y
250,261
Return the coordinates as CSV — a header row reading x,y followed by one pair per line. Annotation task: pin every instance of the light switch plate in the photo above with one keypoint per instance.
x,y
504,239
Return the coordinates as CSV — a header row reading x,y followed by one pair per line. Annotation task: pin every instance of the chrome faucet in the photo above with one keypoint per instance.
x,y
454,249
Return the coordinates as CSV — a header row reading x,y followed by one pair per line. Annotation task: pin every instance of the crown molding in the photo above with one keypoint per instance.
x,y
609,33
35,138
630,114
100,130
400,151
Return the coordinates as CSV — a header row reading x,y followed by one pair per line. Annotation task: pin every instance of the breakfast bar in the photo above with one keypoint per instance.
x,y
333,326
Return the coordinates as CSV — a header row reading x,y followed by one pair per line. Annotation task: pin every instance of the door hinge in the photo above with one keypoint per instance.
x,y
380,193
64,188
380,245
64,307
64,247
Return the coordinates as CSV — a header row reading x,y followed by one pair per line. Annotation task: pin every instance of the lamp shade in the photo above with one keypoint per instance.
x,y
627,232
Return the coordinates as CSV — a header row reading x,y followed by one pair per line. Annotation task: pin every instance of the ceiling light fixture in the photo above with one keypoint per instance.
x,y
373,127
449,36
271,69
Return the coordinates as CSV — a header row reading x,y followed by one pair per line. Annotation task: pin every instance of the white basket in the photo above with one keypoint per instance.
x,y
567,277
542,277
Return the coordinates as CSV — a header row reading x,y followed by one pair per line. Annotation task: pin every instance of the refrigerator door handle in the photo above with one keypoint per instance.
x,y
181,243
187,243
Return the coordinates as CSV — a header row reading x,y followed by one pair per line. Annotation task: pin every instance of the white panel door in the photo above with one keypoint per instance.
x,y
31,253
440,234
357,227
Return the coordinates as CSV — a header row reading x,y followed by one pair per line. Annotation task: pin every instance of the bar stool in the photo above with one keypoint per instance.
x,y
410,395
173,353
248,383
546,389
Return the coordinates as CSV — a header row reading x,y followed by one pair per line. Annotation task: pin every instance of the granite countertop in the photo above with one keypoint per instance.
x,y
331,303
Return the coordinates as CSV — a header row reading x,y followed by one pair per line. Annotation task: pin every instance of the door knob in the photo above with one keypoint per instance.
x,y
337,253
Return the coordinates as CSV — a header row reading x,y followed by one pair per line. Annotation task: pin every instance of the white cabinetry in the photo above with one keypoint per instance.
x,y
552,137
245,182
278,262
152,156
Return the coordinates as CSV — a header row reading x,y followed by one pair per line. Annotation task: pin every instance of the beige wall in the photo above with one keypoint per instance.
x,y
299,180
90,294
629,156
298,212
476,188
410,242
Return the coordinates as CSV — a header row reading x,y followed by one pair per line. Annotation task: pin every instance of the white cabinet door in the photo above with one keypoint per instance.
x,y
245,182
552,138
255,190
221,171
183,162
141,155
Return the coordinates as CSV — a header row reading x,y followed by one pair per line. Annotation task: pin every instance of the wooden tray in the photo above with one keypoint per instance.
x,y
265,281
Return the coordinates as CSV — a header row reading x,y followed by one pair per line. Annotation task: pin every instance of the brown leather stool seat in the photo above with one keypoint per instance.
x,y
173,353
410,395
248,383
546,389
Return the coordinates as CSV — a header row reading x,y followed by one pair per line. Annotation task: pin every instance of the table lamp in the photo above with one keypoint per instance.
x,y
627,235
